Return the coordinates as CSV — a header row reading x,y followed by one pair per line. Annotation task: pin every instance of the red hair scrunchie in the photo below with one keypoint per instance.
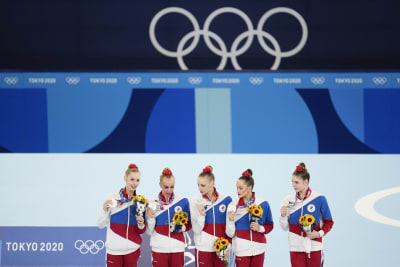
x,y
132,166
167,171
300,169
207,170
246,174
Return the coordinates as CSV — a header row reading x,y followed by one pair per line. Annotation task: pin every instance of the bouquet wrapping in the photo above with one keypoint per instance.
x,y
140,203
307,221
255,212
180,218
221,245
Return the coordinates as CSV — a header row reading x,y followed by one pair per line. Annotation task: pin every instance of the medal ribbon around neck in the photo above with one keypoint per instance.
x,y
162,202
251,201
124,199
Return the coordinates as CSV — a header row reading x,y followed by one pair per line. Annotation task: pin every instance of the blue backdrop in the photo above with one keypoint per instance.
x,y
200,112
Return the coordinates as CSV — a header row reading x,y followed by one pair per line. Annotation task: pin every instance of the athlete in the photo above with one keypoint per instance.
x,y
166,238
305,243
124,226
248,232
208,214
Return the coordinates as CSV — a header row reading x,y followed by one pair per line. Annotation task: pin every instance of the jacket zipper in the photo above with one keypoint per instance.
x,y
127,226
214,219
169,231
251,237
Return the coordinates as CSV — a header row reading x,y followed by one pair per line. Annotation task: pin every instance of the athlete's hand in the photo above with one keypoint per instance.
x,y
284,211
254,226
227,255
231,215
201,209
140,220
314,234
151,212
107,204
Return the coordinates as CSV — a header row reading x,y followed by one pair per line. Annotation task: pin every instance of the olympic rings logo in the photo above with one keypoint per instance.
x,y
89,246
379,80
11,80
317,80
72,80
195,80
256,80
134,80
234,51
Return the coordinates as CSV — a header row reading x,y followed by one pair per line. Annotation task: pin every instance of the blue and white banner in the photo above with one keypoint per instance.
x,y
67,246
125,112
202,79
52,246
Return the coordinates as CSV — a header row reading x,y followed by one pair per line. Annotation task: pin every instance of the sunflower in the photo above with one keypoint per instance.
x,y
224,242
250,208
217,248
176,217
257,211
141,199
184,221
309,219
301,220
184,214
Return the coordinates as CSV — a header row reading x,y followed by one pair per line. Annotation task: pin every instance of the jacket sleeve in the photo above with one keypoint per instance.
x,y
140,230
188,226
104,218
268,223
150,225
197,219
230,227
284,222
326,217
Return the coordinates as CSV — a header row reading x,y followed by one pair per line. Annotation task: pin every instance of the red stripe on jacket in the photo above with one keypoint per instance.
x,y
133,232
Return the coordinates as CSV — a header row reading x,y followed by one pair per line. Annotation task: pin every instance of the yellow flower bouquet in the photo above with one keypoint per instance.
x,y
255,212
141,203
220,246
180,218
307,221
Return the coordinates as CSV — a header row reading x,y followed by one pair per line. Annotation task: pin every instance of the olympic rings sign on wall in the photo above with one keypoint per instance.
x,y
89,246
11,80
317,80
223,51
256,80
134,80
379,80
195,80
72,80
